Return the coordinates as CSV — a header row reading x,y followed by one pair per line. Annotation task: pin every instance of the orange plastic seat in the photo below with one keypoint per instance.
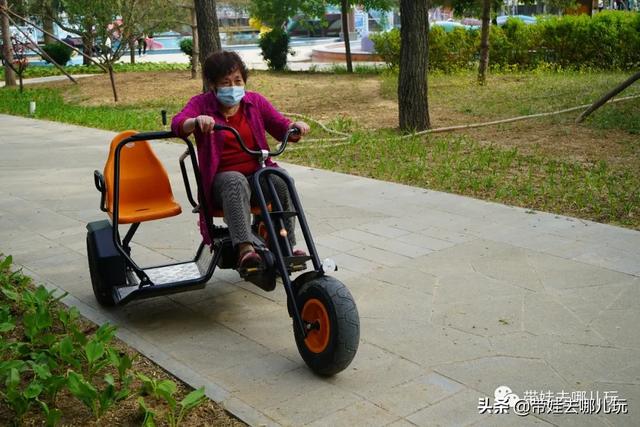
x,y
145,191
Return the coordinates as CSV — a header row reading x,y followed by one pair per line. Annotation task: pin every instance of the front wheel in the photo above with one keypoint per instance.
x,y
330,315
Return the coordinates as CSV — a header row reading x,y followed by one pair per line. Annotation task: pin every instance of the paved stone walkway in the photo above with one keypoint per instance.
x,y
36,80
456,296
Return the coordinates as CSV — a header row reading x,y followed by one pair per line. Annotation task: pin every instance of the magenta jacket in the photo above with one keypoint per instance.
x,y
261,117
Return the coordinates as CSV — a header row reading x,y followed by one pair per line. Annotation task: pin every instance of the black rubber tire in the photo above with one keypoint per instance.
x,y
344,328
102,289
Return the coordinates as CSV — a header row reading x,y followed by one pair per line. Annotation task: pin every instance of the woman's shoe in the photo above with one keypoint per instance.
x,y
250,262
299,252
298,265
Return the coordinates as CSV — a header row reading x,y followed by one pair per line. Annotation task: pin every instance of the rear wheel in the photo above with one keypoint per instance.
x,y
102,286
330,316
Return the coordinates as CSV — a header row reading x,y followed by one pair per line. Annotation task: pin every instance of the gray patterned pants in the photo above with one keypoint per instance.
x,y
232,192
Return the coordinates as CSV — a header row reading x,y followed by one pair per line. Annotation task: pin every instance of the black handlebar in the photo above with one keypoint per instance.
x,y
292,131
145,136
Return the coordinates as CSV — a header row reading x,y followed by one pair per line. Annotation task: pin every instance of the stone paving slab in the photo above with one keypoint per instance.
x,y
456,296
35,80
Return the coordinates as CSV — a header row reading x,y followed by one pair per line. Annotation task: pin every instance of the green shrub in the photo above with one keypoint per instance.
x,y
275,48
454,50
387,45
186,46
438,48
608,40
448,51
59,52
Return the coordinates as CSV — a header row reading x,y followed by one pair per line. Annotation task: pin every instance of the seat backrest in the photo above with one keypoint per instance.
x,y
142,176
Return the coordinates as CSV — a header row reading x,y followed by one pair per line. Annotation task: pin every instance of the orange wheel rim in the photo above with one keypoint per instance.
x,y
315,314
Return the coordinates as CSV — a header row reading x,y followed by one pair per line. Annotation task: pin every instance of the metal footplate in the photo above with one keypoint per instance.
x,y
173,273
167,279
293,263
296,263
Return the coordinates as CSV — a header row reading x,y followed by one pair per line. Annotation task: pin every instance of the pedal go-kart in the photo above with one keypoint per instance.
x,y
135,188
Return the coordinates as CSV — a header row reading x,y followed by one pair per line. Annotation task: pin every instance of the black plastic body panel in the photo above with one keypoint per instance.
x,y
111,265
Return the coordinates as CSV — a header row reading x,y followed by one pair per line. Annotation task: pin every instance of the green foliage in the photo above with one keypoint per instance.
x,y
27,366
607,41
275,13
516,43
470,7
387,45
451,51
52,415
59,52
186,46
275,48
149,415
98,400
448,51
19,394
357,69
369,4
165,391
44,350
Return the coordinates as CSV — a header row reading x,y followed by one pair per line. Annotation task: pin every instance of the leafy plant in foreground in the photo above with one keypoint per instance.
x,y
97,400
165,390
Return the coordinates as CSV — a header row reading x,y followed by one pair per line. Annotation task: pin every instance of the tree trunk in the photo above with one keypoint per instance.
x,y
113,82
195,50
132,50
484,42
613,92
7,54
345,34
208,32
414,59
47,24
87,49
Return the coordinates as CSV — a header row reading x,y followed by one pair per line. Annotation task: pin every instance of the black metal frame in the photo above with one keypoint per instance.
x,y
278,243
147,288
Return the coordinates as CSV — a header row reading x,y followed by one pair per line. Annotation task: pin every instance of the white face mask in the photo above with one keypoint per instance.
x,y
230,95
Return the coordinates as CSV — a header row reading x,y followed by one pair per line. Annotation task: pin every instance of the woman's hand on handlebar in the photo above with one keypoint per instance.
x,y
203,122
302,127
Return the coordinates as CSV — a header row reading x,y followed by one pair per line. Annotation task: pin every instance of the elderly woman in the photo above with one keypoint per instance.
x,y
224,166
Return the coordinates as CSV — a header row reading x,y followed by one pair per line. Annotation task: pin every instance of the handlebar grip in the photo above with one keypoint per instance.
x,y
218,127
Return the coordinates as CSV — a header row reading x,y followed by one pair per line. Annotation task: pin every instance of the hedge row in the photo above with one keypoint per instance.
x,y
608,40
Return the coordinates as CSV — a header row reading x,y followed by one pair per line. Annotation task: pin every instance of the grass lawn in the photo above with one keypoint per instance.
x,y
590,171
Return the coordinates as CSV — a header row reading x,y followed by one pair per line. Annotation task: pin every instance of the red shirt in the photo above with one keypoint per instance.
x,y
234,158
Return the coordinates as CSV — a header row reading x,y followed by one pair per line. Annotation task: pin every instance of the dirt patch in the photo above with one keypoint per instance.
x,y
133,88
321,96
